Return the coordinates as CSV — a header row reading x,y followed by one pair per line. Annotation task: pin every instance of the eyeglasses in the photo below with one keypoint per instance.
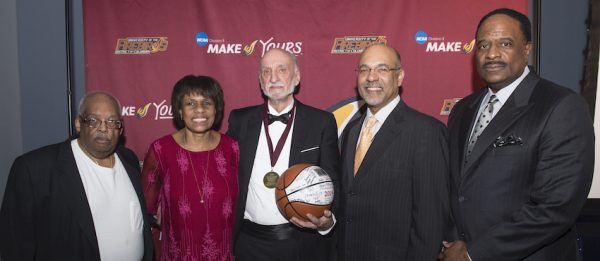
x,y
380,70
95,123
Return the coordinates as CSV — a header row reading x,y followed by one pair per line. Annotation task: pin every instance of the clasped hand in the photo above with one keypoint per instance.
x,y
323,223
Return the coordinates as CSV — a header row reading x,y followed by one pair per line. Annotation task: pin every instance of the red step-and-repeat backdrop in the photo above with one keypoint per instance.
x,y
137,50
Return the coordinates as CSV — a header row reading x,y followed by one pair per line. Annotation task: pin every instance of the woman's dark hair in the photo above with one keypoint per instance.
x,y
202,85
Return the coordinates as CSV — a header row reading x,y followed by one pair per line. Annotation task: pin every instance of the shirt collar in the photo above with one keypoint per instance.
x,y
504,93
384,112
287,109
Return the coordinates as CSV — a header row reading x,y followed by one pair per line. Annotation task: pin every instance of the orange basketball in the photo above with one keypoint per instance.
x,y
303,189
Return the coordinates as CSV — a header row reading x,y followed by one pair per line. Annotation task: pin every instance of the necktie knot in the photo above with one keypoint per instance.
x,y
371,122
493,100
283,118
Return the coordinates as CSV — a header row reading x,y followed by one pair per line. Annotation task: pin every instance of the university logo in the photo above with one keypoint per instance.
x,y
141,45
447,105
355,44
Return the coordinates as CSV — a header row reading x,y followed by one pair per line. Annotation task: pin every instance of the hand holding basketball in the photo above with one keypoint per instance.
x,y
304,192
323,223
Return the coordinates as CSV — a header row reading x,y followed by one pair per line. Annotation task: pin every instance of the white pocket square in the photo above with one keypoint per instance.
x,y
309,149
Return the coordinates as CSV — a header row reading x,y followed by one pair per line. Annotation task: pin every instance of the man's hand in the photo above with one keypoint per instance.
x,y
323,223
454,251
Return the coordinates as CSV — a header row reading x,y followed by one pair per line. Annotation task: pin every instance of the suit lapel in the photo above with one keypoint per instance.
x,y
300,123
252,134
515,107
466,124
74,192
350,149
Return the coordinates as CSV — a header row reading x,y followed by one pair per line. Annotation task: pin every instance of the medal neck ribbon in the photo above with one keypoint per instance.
x,y
274,154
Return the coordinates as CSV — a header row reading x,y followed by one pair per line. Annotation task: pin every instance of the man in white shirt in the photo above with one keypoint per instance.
x,y
521,155
79,199
272,137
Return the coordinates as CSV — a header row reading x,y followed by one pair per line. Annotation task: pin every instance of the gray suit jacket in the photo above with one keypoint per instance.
x,y
516,197
396,208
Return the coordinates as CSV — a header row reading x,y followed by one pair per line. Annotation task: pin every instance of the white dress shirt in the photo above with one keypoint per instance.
x,y
261,207
381,116
502,95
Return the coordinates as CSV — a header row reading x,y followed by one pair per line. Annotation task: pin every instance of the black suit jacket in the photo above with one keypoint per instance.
x,y
396,207
312,128
516,197
45,214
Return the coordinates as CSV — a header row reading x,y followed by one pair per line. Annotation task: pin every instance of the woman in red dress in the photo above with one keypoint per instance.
x,y
190,176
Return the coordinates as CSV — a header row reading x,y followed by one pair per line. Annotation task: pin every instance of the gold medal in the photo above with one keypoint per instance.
x,y
270,179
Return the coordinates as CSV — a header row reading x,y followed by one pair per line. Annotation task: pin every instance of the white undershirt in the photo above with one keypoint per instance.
x,y
260,204
115,207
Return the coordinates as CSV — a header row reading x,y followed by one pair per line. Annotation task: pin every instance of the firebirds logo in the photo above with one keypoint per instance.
x,y
141,45
447,105
355,44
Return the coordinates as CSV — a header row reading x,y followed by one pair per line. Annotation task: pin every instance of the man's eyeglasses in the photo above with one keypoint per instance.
x,y
95,123
380,70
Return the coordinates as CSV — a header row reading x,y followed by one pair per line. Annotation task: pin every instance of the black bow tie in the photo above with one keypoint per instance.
x,y
283,118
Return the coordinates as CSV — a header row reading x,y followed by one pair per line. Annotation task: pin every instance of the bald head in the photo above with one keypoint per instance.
x,y
97,97
384,49
279,52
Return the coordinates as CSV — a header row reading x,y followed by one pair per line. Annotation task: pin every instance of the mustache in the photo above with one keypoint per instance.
x,y
372,85
101,137
270,84
494,63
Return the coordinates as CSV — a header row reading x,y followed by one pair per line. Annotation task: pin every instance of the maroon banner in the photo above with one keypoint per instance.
x,y
137,50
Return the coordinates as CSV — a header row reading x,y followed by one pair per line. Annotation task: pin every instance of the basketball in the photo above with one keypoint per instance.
x,y
302,189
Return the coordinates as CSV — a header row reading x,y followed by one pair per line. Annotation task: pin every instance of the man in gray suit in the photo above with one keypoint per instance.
x,y
394,183
521,155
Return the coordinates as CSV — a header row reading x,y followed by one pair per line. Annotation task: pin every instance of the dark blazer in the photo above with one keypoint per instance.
x,y
396,208
312,128
45,214
516,197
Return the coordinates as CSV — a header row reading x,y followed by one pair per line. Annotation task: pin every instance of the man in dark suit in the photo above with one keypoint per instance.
x,y
79,199
272,137
394,181
520,179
